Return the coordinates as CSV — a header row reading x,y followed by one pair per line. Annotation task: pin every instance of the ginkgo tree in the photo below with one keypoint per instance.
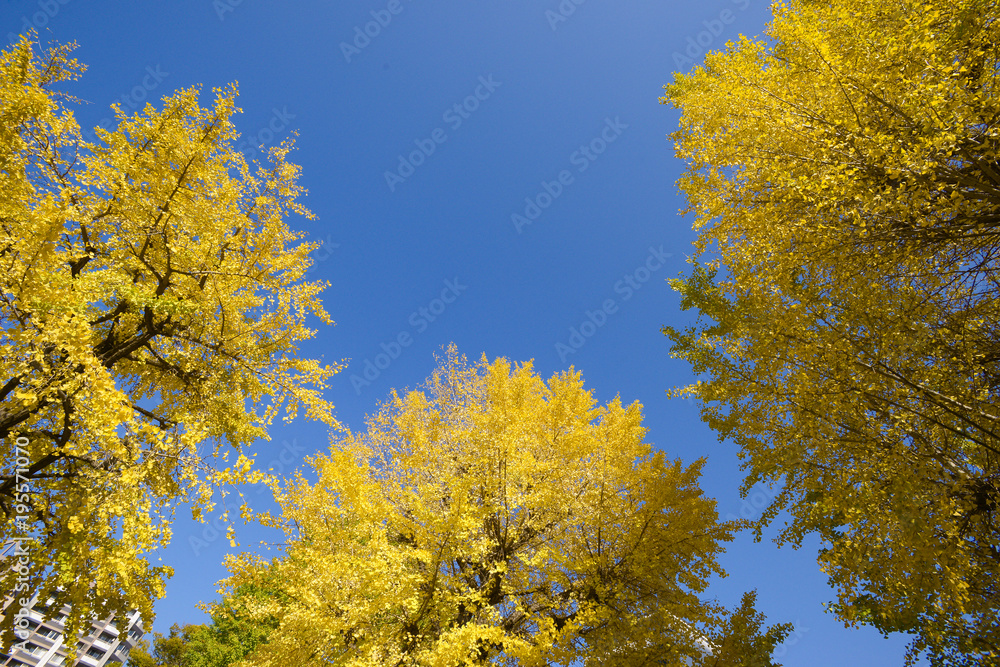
x,y
151,310
495,518
845,177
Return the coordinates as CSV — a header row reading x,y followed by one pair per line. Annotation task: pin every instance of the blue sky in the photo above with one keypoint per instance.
x,y
493,174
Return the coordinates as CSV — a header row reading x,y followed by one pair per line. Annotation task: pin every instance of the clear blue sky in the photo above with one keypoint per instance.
x,y
553,102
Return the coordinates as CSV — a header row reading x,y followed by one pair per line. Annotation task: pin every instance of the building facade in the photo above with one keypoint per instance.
x,y
107,644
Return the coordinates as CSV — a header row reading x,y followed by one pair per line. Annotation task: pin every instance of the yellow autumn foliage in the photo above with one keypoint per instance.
x,y
152,304
845,177
494,518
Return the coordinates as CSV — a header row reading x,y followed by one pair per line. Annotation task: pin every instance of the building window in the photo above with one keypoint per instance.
x,y
95,652
108,637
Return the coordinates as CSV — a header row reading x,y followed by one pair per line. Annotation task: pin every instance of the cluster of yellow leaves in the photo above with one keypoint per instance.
x,y
151,307
492,518
845,175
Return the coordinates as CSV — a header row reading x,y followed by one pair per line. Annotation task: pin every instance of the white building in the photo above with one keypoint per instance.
x,y
106,645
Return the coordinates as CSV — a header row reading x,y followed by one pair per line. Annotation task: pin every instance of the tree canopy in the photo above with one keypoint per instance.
x,y
231,634
151,309
845,177
494,518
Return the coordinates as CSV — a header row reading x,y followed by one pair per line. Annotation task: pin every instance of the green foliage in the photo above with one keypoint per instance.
x,y
170,651
140,656
232,634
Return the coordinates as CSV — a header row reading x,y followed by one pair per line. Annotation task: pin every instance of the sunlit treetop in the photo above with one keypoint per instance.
x,y
845,177
152,305
491,517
